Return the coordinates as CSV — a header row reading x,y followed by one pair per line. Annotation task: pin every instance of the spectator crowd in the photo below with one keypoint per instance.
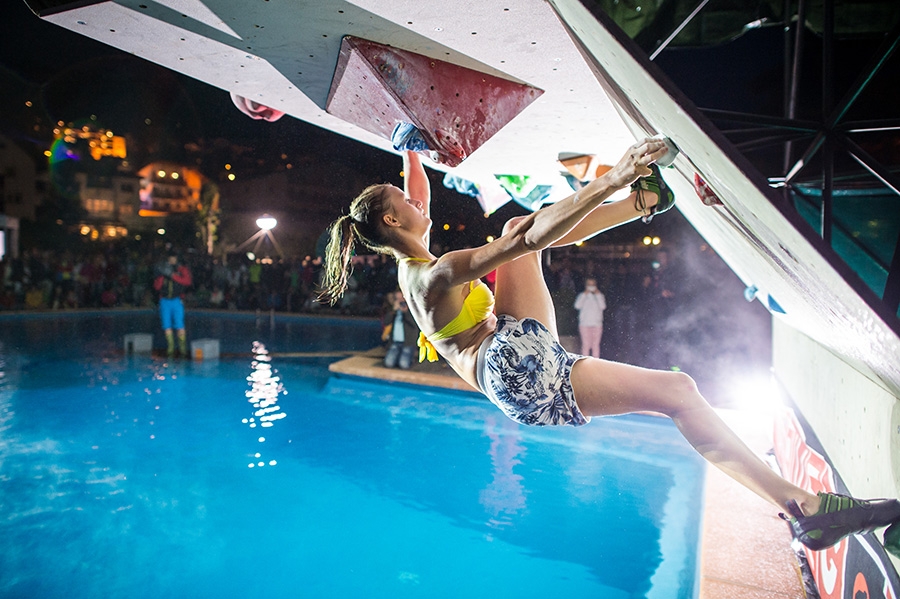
x,y
45,280
112,277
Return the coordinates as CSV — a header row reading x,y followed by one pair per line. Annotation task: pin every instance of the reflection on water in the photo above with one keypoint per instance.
x,y
265,388
505,495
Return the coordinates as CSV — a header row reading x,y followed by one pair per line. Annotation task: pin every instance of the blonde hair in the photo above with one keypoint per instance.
x,y
363,224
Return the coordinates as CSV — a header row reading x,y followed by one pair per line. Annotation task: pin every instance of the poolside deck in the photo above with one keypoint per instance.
x,y
746,551
370,365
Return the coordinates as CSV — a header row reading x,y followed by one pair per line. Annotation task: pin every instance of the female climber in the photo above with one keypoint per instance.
x,y
506,344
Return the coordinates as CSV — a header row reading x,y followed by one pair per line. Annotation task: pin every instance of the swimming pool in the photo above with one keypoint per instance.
x,y
263,476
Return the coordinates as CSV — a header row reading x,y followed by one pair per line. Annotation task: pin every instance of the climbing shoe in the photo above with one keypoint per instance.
x,y
838,517
653,183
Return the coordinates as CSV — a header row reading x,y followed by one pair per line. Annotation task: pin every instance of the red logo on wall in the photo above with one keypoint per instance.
x,y
852,563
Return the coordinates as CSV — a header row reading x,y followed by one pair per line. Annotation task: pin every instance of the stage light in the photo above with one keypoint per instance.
x,y
266,222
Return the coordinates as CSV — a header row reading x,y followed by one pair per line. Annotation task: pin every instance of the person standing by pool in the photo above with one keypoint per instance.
x,y
172,279
590,304
506,344
401,334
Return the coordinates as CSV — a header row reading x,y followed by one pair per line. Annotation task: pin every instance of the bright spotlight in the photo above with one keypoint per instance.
x,y
755,391
266,222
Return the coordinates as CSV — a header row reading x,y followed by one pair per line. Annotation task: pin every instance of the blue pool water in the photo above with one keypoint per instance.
x,y
261,476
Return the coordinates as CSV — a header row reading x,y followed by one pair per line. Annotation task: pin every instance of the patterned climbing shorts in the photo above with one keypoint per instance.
x,y
526,373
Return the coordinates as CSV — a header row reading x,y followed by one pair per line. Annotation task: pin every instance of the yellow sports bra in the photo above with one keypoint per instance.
x,y
477,306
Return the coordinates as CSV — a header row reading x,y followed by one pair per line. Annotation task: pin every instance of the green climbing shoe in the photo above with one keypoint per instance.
x,y
654,183
838,517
